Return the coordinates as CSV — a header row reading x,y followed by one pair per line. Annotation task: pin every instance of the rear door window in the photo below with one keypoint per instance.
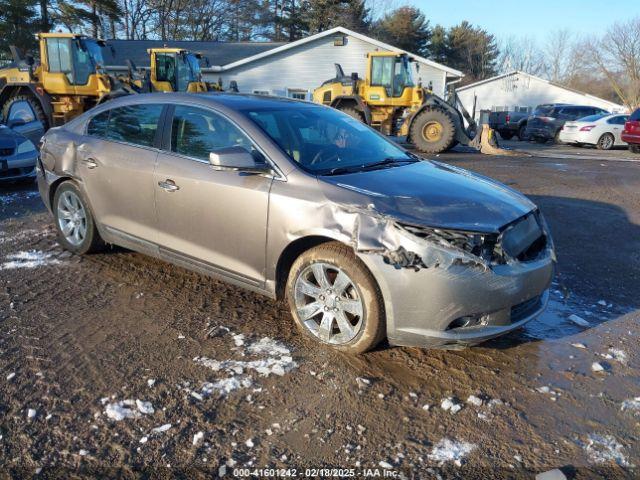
x,y
135,124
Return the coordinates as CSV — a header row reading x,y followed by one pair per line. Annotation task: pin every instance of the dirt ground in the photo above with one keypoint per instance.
x,y
120,365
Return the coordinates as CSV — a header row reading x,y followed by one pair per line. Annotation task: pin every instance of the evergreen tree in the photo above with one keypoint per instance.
x,y
406,28
18,25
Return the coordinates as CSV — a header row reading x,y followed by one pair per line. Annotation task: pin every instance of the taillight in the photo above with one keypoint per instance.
x,y
546,119
508,118
587,128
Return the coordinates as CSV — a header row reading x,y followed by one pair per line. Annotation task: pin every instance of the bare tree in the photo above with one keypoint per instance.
x,y
522,54
617,55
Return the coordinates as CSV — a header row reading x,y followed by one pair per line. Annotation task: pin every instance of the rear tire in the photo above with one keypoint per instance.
x,y
634,148
522,133
313,287
33,103
77,231
605,142
433,131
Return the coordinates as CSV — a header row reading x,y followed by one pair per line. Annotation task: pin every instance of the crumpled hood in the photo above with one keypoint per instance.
x,y
9,138
431,194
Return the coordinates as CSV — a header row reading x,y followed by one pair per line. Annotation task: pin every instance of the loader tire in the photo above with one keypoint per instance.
x,y
352,112
433,131
33,103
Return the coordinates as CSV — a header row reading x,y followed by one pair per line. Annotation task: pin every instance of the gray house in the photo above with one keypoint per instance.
x,y
292,69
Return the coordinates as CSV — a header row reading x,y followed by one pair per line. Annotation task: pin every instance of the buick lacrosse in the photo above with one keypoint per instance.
x,y
298,201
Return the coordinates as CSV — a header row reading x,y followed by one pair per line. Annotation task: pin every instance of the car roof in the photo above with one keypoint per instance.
x,y
226,99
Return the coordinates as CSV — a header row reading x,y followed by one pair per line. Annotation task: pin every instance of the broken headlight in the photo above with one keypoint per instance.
x,y
481,245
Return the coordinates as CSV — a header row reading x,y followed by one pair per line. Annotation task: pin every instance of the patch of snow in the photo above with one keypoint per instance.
x,y
602,302
226,385
581,322
604,449
31,413
579,345
197,438
384,464
597,367
144,407
448,404
151,382
447,450
618,355
161,428
249,443
144,439
238,339
83,453
473,400
30,259
11,375
631,404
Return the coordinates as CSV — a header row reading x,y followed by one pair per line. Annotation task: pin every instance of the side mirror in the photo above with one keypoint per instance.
x,y
237,158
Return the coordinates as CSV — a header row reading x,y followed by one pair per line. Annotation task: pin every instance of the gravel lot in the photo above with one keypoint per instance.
x,y
118,364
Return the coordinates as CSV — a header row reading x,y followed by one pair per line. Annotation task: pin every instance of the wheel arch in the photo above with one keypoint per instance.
x,y
44,100
289,255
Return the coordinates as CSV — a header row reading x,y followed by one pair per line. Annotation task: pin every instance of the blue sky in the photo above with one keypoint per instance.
x,y
532,18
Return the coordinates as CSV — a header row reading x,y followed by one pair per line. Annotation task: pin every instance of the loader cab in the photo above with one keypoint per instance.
x,y
73,57
175,70
392,72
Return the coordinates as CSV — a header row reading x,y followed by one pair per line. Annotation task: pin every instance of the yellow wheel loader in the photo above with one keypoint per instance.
x,y
389,100
68,80
172,70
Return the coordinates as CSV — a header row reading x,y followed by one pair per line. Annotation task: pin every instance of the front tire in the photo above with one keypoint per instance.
x,y
76,228
33,103
335,300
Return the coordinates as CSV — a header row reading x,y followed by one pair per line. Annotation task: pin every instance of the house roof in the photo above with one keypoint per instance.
x,y
227,55
218,53
548,82
345,31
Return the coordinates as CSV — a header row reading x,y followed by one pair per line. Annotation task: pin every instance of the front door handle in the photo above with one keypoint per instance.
x,y
169,185
90,163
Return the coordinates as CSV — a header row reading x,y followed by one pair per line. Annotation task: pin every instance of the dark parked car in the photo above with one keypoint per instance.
x,y
631,132
509,124
18,156
548,119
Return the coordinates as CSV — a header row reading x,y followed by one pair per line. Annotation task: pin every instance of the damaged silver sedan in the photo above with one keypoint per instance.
x,y
364,240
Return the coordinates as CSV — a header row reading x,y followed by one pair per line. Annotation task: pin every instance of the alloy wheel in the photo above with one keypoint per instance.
x,y
72,218
329,303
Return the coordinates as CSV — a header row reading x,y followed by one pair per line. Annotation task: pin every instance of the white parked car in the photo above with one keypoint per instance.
x,y
603,131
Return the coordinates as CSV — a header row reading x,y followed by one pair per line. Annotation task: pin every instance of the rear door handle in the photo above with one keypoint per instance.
x,y
90,163
169,185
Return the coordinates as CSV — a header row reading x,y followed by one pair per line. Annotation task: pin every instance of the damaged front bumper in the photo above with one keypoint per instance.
x,y
438,293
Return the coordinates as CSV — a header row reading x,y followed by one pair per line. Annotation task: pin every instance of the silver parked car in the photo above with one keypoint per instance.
x,y
299,201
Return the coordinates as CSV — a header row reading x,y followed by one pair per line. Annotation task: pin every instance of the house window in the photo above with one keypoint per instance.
x,y
520,109
297,93
261,92
339,41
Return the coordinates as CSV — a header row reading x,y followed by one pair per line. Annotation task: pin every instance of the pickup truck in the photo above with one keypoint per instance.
x,y
509,124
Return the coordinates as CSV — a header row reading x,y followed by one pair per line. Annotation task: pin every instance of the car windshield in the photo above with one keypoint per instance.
x,y
324,141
